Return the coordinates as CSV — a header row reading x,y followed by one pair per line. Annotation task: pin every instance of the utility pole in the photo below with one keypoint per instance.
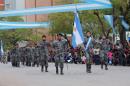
x,y
35,2
35,7
51,2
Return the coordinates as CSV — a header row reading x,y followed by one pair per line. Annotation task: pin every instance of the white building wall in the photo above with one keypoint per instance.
x,y
9,4
15,5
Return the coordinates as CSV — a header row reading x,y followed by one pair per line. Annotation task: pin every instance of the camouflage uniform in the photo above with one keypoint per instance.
x,y
15,57
103,54
60,47
30,55
36,58
22,55
43,45
88,53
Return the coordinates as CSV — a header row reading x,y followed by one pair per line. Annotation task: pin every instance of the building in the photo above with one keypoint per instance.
x,y
1,4
34,4
14,4
24,4
9,5
39,3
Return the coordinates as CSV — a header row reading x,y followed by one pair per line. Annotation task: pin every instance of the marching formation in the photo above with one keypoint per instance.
x,y
39,54
98,52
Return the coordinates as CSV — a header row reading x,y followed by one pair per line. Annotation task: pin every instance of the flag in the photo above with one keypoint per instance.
x,y
88,43
13,25
1,49
101,2
109,19
94,5
124,23
77,37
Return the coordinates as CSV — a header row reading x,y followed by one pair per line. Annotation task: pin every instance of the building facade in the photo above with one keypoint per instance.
x,y
34,4
1,4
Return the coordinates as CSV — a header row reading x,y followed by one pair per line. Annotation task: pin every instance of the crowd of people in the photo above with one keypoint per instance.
x,y
100,52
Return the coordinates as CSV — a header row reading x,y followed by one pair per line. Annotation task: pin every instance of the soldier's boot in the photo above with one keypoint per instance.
x,y
42,68
12,63
33,65
46,69
22,63
61,71
101,65
15,64
106,68
29,64
37,65
89,68
18,64
57,71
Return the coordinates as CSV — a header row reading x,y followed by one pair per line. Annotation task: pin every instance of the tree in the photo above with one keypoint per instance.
x,y
10,37
61,22
121,8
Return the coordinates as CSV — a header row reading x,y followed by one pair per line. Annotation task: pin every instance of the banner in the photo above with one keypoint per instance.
x,y
124,23
128,36
77,37
1,49
55,9
19,25
109,19
104,2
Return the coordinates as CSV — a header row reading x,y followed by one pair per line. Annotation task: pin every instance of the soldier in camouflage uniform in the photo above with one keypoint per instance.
x,y
44,52
60,47
30,55
22,55
36,56
103,53
15,56
88,53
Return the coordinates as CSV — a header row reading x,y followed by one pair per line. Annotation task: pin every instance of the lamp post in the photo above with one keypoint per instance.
x,y
35,2
51,2
35,7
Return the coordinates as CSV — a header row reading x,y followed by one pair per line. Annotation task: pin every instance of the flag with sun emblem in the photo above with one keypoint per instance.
x,y
77,37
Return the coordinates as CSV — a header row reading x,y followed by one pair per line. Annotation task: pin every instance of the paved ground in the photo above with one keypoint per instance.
x,y
75,75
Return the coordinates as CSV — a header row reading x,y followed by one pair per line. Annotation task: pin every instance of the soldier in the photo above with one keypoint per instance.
x,y
103,53
22,55
44,52
88,53
59,48
15,56
30,55
36,56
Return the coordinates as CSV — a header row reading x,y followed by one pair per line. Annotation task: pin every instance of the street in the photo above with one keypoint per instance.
x,y
75,75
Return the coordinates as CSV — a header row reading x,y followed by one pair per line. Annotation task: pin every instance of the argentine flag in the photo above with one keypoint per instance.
x,y
1,49
124,23
88,43
77,37
109,19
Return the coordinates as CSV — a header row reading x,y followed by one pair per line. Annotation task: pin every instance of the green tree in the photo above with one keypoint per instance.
x,y
10,37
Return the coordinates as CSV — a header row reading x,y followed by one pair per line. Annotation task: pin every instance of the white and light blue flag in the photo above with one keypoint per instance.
x,y
109,19
88,43
90,5
1,49
77,37
124,23
13,25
